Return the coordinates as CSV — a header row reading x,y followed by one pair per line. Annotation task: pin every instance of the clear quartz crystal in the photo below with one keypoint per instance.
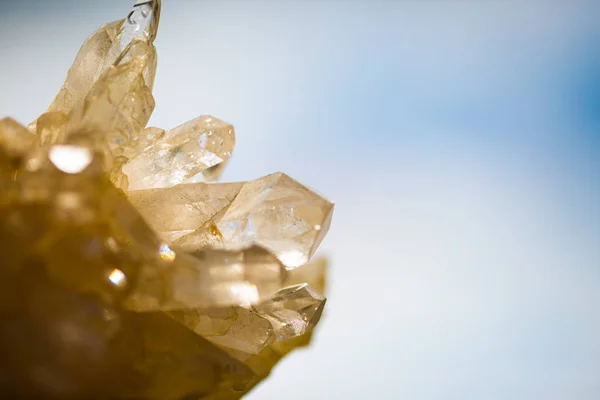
x,y
137,23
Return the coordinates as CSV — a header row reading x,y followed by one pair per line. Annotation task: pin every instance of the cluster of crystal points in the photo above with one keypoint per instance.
x,y
124,275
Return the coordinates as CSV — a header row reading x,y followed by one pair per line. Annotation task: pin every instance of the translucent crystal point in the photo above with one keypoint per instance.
x,y
183,153
100,51
117,108
293,311
275,212
141,23
313,274
86,69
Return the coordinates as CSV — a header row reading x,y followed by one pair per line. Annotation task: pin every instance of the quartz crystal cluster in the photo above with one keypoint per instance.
x,y
124,273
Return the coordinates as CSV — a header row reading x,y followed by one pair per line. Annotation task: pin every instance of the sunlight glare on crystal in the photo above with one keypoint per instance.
x,y
292,258
246,293
70,159
166,253
117,277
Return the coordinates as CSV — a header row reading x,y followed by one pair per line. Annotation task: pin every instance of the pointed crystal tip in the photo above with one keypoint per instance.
x,y
142,22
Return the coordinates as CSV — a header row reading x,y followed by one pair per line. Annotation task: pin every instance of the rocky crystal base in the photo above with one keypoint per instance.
x,y
123,274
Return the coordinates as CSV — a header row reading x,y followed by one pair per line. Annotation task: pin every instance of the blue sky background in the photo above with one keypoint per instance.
x,y
460,141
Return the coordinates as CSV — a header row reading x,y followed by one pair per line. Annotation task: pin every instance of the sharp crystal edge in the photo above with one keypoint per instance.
x,y
125,273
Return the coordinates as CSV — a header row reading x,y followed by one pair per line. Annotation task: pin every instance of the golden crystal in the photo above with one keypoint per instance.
x,y
183,209
263,362
100,51
15,139
124,275
235,328
207,278
117,108
92,59
293,311
275,212
182,154
51,128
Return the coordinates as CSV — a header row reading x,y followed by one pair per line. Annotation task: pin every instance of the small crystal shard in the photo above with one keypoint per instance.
x,y
293,311
312,274
183,153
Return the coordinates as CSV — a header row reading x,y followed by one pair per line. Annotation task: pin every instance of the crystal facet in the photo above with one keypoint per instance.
x,y
293,311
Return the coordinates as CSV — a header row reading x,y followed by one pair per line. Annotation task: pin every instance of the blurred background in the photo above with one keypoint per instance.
x,y
460,141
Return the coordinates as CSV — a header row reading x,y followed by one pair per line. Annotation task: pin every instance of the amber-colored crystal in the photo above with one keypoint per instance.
x,y
15,140
123,274
184,153
52,128
207,278
235,328
293,311
100,51
183,209
117,108
313,274
276,212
